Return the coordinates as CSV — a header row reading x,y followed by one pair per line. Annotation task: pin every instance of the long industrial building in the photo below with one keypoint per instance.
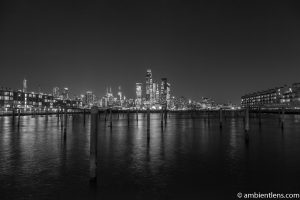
x,y
284,96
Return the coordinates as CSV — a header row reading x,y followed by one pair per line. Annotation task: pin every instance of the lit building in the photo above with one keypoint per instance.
x,y
89,99
119,93
65,93
26,101
55,92
25,91
155,92
273,98
138,95
165,93
154,85
24,85
119,99
181,103
110,97
207,103
149,87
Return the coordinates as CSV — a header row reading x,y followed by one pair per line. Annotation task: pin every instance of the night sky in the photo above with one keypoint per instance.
x,y
213,49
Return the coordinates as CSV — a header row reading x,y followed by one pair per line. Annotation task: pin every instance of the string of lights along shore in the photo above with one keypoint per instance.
x,y
153,93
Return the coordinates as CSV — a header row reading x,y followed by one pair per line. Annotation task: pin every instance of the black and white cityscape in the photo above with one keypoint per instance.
x,y
150,94
149,100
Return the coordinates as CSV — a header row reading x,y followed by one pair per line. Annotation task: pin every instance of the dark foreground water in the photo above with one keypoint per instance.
x,y
189,159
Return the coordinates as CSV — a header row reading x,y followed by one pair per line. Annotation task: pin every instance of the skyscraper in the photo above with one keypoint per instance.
x,y
65,93
168,94
119,93
109,97
154,86
55,92
157,93
165,93
24,85
119,99
25,91
89,98
138,94
149,87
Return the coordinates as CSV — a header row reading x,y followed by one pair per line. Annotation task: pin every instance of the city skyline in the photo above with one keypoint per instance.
x,y
152,95
218,50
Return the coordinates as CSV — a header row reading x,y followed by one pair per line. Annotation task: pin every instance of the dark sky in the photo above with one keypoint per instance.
x,y
214,49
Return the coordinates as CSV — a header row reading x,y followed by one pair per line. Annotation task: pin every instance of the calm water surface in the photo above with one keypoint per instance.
x,y
188,159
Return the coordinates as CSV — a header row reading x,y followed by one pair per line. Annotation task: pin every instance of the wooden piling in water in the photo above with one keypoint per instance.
x,y
13,116
165,118
57,116
148,123
61,120
110,117
137,116
246,119
128,117
221,118
19,113
46,112
282,118
259,116
84,117
208,117
65,123
162,118
93,145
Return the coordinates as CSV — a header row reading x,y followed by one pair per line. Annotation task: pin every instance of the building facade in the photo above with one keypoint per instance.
x,y
55,92
287,96
149,87
165,93
89,99
138,91
26,101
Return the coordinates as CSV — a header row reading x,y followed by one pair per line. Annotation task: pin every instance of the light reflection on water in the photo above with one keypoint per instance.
x,y
187,158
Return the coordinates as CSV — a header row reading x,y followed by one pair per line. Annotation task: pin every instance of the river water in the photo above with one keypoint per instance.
x,y
190,158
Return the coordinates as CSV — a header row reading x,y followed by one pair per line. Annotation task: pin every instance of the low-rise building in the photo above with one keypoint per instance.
x,y
288,96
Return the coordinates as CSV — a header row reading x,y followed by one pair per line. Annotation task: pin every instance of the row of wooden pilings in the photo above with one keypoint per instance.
x,y
63,111
108,114
246,117
95,114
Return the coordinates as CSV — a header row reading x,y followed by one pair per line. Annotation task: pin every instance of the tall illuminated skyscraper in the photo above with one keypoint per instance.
x,y
149,86
119,99
24,85
168,94
109,97
165,93
119,93
157,93
154,86
138,94
25,91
